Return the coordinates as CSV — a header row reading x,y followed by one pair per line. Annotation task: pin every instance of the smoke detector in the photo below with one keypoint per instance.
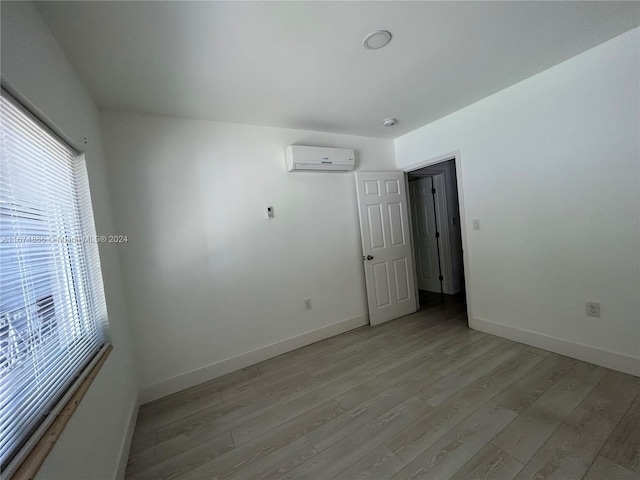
x,y
389,122
376,40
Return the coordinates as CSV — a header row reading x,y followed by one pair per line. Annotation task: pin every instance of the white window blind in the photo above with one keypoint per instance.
x,y
52,307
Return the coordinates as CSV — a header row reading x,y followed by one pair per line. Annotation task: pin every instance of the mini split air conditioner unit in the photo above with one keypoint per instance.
x,y
318,159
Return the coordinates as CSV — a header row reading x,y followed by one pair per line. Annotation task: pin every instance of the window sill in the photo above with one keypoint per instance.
x,y
33,455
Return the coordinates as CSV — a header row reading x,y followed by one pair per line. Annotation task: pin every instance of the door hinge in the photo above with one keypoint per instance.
x,y
437,234
441,278
433,191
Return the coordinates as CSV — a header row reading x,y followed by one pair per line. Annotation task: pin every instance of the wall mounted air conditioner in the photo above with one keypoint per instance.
x,y
318,159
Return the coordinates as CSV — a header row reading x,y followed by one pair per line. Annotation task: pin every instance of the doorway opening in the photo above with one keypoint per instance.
x,y
436,226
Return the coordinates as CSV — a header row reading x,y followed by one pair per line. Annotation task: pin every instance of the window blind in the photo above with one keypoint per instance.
x,y
52,307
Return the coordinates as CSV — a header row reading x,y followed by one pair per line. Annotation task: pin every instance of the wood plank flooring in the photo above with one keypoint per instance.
x,y
418,397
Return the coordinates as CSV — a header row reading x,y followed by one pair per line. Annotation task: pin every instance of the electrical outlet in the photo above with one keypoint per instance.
x,y
593,309
307,304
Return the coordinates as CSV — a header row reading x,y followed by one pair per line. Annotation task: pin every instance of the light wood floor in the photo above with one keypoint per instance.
x,y
422,396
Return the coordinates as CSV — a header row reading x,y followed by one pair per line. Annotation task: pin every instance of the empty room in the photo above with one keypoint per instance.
x,y
320,240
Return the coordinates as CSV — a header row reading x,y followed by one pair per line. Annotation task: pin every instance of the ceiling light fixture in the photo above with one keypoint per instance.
x,y
389,122
376,40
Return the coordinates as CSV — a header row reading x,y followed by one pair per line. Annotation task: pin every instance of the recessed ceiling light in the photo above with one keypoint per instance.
x,y
376,40
389,122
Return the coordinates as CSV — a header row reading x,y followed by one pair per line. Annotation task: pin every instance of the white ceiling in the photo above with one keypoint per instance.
x,y
302,64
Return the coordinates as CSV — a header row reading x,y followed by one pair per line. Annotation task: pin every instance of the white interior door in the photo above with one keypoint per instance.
x,y
384,226
424,234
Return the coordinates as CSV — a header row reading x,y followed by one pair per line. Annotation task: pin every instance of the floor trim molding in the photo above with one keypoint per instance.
x,y
180,382
605,358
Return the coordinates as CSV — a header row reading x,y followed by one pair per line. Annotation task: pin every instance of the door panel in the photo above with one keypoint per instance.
x,y
376,227
425,267
402,279
384,226
421,216
395,224
424,236
372,187
381,279
393,186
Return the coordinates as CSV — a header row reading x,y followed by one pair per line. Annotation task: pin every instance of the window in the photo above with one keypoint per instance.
x,y
52,307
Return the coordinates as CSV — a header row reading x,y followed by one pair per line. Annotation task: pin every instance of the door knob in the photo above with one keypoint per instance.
x,y
369,257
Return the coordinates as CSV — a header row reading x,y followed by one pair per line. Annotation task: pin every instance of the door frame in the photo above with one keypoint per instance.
x,y
455,156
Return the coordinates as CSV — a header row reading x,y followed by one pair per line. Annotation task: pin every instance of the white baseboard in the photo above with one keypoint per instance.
x,y
126,441
605,358
200,375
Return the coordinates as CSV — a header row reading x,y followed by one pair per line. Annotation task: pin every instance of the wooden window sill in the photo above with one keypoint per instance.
x,y
35,458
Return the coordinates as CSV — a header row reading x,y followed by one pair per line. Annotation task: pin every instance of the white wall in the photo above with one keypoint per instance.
x,y
99,432
551,168
211,281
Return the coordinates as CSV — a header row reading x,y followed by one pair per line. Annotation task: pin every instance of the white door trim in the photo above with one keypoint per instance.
x,y
416,295
455,155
